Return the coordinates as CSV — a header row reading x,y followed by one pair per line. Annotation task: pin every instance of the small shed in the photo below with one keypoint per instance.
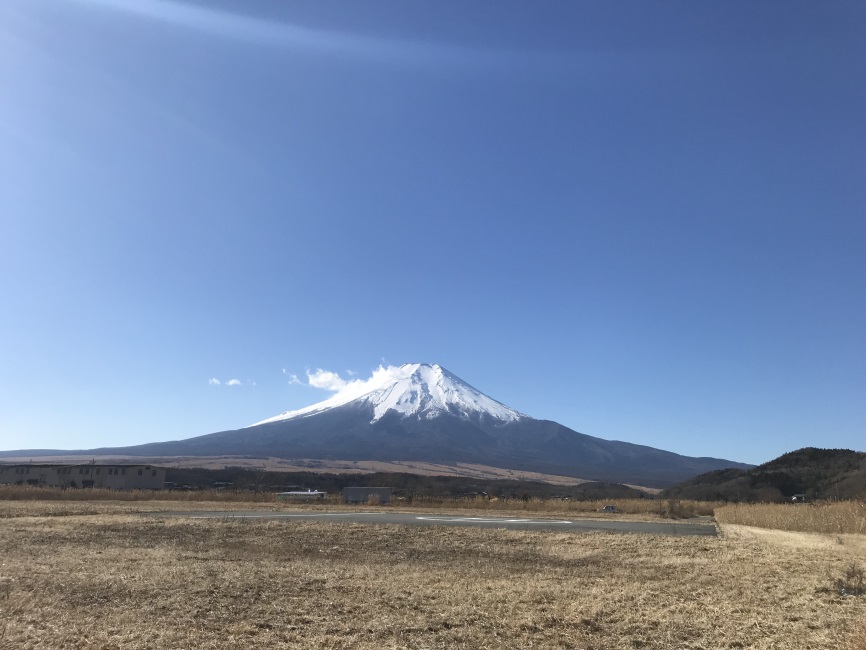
x,y
367,494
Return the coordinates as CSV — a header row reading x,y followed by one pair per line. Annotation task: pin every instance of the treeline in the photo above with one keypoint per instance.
x,y
404,484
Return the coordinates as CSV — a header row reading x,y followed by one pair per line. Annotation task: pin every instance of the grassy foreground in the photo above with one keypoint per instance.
x,y
117,580
830,517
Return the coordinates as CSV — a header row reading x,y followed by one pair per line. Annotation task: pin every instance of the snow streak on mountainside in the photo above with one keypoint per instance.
x,y
413,389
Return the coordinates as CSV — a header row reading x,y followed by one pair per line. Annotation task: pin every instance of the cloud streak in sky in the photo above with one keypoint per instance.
x,y
280,34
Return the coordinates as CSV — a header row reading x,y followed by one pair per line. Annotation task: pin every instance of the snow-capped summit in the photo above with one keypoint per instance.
x,y
416,390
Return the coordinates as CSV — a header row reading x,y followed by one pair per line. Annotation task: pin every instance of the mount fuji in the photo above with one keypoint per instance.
x,y
423,413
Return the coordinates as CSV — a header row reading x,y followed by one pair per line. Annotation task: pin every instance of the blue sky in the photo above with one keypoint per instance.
x,y
644,220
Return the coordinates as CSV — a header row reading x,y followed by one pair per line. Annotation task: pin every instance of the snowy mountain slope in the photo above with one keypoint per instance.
x,y
413,389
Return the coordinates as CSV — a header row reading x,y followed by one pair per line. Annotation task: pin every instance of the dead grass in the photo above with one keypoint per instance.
x,y
647,508
29,493
112,581
12,509
857,639
830,517
36,501
64,508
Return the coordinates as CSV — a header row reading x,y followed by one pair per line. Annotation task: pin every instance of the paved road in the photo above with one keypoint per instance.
x,y
680,528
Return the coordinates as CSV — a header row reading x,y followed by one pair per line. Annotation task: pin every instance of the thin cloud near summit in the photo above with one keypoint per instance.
x,y
353,387
213,381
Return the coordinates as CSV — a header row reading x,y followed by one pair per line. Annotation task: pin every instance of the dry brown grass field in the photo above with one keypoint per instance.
x,y
96,575
16,497
828,517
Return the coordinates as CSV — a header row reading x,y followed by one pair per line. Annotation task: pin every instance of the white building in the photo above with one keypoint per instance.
x,y
307,495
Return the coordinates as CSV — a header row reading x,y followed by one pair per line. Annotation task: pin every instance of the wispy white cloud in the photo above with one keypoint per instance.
x,y
213,381
326,379
293,379
352,388
275,33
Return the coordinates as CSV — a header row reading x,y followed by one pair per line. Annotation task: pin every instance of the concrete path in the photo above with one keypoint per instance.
x,y
703,526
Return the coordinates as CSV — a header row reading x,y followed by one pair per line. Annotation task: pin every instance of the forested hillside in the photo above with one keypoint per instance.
x,y
817,473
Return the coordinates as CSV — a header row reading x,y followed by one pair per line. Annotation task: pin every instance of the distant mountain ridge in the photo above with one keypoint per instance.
x,y
424,413
816,473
